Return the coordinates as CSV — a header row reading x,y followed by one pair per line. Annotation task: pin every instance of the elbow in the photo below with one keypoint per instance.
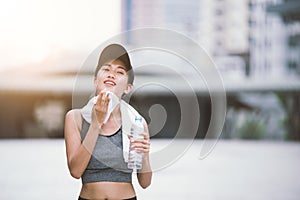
x,y
145,183
75,175
145,186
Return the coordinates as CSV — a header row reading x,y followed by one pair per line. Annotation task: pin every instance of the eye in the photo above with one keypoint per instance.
x,y
121,72
105,69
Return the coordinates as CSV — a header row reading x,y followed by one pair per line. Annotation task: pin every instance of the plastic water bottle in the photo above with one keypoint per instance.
x,y
135,158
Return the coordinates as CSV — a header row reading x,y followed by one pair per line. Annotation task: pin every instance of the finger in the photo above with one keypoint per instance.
x,y
101,105
106,100
104,104
144,141
145,135
143,149
104,95
99,98
102,92
140,145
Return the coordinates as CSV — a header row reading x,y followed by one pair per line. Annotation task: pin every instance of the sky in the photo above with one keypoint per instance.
x,y
33,30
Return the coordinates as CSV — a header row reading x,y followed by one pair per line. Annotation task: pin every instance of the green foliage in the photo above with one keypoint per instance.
x,y
252,129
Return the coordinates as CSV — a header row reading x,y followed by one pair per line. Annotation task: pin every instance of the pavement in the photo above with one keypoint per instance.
x,y
235,169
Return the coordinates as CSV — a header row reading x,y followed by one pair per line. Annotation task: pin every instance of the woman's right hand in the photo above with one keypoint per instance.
x,y
100,109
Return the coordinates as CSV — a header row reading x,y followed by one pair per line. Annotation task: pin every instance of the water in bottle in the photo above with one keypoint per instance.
x,y
135,157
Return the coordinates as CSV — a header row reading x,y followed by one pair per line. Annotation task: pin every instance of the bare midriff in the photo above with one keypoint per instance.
x,y
107,190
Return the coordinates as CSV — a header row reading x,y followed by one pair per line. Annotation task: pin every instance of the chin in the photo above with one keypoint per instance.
x,y
110,89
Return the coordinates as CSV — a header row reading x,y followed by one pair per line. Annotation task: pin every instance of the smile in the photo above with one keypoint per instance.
x,y
109,82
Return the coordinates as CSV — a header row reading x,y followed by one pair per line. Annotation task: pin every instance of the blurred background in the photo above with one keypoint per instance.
x,y
255,45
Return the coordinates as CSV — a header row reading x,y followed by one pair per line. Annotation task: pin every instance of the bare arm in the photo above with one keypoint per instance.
x,y
79,153
144,175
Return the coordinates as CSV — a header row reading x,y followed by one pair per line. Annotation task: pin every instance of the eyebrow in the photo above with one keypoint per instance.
x,y
119,66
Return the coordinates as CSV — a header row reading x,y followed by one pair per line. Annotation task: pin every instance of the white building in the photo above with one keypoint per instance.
x,y
220,26
267,41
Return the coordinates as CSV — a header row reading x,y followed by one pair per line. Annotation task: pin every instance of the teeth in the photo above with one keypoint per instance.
x,y
109,82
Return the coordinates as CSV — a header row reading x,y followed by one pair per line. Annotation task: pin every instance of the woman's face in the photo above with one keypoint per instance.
x,y
113,76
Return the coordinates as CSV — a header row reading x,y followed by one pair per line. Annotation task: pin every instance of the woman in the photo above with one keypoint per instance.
x,y
95,150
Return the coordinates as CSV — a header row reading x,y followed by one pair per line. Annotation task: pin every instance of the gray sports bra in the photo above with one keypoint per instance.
x,y
107,162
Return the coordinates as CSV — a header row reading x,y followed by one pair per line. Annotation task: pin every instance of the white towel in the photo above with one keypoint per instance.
x,y
128,115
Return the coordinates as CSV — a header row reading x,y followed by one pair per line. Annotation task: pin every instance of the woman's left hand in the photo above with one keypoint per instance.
x,y
141,145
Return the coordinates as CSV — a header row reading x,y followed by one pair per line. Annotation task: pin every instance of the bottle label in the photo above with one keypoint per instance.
x,y
138,118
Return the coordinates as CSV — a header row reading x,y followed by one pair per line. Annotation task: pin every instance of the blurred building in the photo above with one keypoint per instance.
x,y
255,44
245,38
220,26
289,13
267,38
249,40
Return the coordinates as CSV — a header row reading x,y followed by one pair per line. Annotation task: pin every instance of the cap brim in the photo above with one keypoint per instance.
x,y
115,52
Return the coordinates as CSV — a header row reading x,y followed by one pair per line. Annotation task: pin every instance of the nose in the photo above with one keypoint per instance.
x,y
111,75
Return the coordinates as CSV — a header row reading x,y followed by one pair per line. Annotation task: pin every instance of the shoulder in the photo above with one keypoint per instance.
x,y
73,123
74,113
73,117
